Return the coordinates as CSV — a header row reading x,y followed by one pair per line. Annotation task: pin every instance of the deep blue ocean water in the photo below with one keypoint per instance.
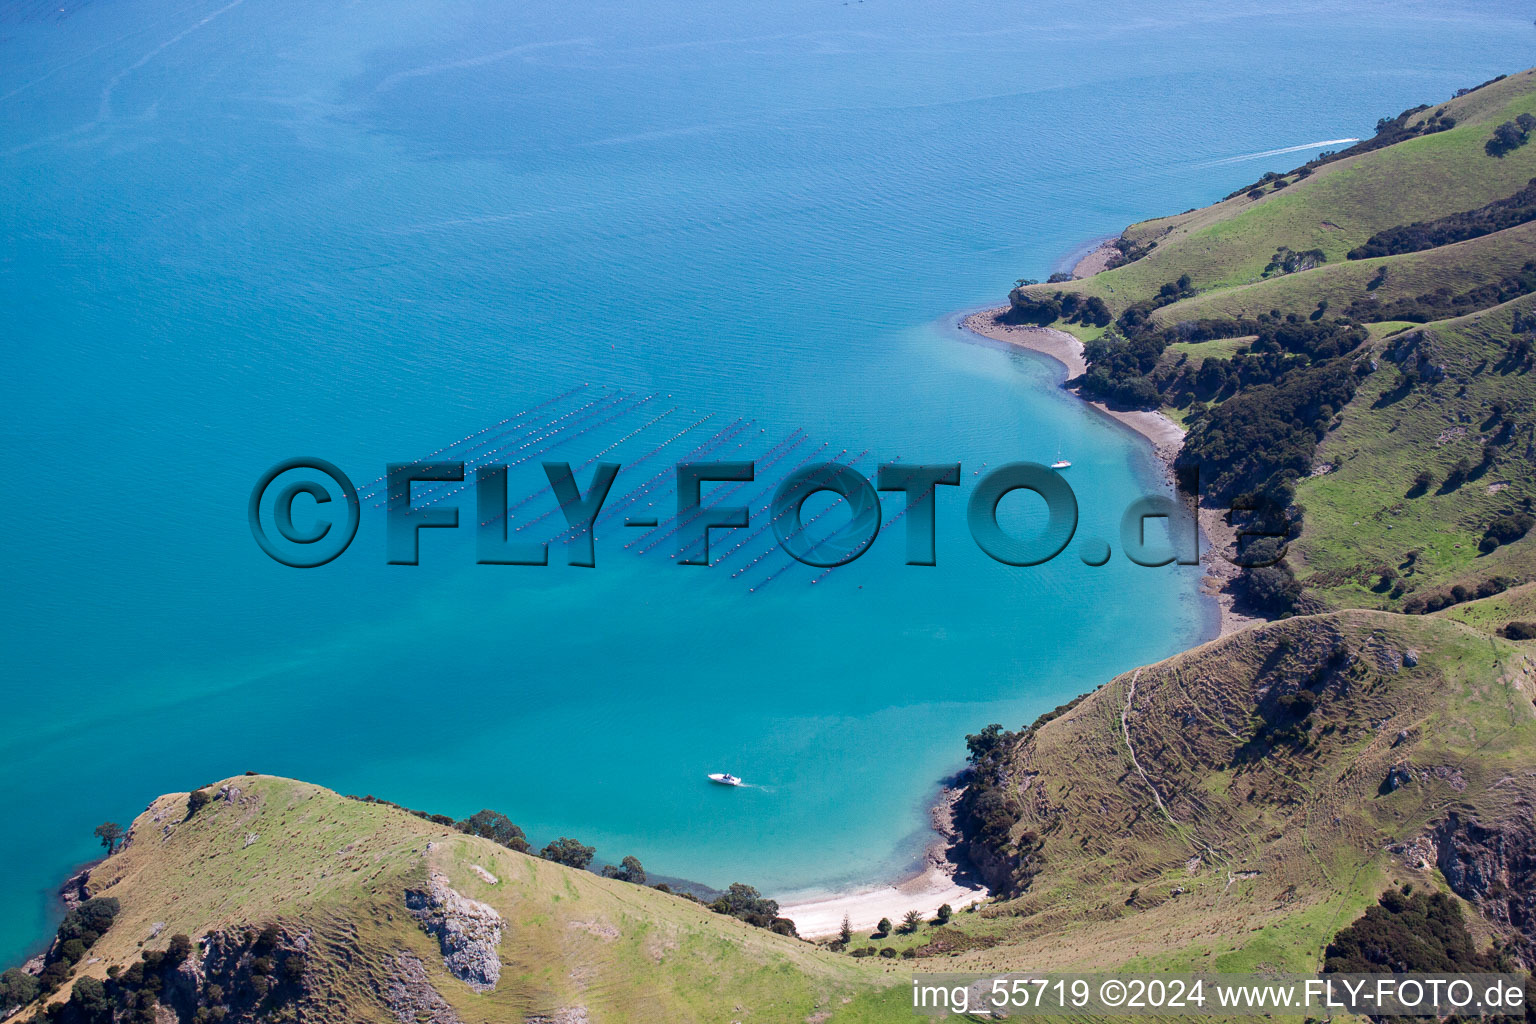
x,y
236,232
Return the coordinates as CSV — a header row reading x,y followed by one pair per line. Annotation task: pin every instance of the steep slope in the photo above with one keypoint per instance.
x,y
395,918
1234,806
1450,392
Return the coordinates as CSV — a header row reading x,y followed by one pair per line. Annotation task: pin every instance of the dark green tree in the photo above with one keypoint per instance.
x,y
179,949
17,988
88,1002
568,852
627,870
110,833
496,827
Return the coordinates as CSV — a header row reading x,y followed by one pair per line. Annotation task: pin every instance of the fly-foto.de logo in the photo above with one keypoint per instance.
x,y
424,495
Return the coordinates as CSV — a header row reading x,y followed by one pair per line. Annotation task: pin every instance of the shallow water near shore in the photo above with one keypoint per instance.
x,y
241,232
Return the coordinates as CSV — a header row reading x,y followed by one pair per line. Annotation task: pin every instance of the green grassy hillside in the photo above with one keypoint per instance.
x,y
1364,515
1335,208
1321,388
1230,808
336,872
1459,267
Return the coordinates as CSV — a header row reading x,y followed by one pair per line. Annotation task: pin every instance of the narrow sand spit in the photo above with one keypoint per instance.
x,y
1097,261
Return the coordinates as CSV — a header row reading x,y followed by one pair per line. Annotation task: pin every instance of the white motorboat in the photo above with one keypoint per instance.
x,y
725,779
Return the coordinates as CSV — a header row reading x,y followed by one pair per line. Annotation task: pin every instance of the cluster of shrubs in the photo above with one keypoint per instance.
x,y
911,922
1519,631
263,979
1510,136
988,809
1068,306
1509,212
135,994
747,904
1268,585
1130,251
1408,932
1275,181
1443,303
82,926
1424,604
1263,438
1288,261
1506,529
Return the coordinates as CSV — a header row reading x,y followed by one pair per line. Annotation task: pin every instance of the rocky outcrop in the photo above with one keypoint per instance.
x,y
1416,352
411,997
467,931
1493,867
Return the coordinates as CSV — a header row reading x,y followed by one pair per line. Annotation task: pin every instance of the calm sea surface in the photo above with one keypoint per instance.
x,y
236,232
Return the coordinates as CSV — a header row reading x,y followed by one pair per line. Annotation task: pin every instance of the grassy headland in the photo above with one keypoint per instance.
x,y
1349,345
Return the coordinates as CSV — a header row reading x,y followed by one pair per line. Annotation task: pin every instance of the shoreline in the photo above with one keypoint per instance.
x,y
1095,261
941,880
1165,437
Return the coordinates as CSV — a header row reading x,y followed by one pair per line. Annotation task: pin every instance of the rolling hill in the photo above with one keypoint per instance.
x,y
1382,402
1229,809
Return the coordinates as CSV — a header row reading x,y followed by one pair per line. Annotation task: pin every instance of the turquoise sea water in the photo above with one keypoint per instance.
x,y
236,232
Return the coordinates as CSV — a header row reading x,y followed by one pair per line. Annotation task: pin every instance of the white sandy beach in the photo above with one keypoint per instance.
x,y
925,893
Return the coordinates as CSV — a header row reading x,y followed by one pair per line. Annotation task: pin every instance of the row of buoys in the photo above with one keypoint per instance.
x,y
570,529
799,530
757,508
609,413
611,510
510,510
653,537
772,519
886,526
546,489
763,496
507,439
708,447
705,447
765,500
366,490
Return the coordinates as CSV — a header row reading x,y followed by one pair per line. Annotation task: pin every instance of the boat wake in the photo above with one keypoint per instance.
x,y
1276,152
